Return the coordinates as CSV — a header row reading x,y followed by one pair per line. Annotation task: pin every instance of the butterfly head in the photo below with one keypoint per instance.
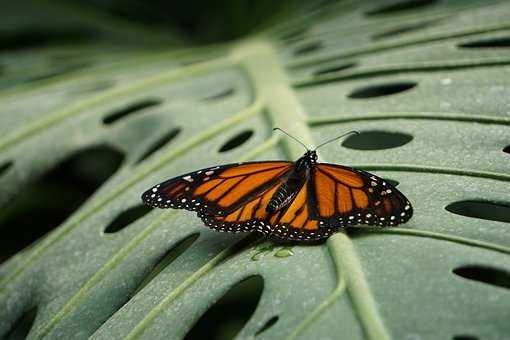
x,y
311,156
307,160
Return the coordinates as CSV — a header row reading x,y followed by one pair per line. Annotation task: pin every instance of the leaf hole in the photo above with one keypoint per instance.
x,y
493,276
488,43
130,109
403,29
170,256
229,314
376,140
481,209
236,141
23,325
334,69
220,95
160,143
127,217
506,149
270,323
400,6
464,337
5,166
43,205
308,48
381,90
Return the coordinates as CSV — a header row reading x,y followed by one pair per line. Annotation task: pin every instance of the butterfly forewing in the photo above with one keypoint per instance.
x,y
217,190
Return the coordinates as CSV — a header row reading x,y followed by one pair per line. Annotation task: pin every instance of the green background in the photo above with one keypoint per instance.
x,y
100,100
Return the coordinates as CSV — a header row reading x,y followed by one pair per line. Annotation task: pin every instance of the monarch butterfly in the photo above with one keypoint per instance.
x,y
301,201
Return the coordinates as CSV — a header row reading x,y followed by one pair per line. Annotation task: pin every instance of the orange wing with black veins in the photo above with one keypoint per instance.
x,y
347,196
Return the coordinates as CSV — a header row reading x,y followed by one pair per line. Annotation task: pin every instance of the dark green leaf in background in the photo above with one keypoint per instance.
x,y
96,108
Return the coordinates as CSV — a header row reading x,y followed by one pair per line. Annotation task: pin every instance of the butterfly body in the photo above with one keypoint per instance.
x,y
294,182
302,200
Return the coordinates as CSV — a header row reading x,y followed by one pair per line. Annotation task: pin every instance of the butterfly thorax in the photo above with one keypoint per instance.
x,y
286,192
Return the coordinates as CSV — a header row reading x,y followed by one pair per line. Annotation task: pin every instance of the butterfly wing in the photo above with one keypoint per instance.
x,y
234,198
218,190
344,196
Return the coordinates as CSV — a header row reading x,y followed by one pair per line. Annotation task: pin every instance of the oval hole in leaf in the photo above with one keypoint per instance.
x,y
222,94
376,140
229,314
237,140
22,327
5,166
270,323
43,205
493,276
487,43
308,48
392,181
334,69
170,256
381,90
165,139
481,209
403,29
507,149
464,337
127,217
130,109
400,7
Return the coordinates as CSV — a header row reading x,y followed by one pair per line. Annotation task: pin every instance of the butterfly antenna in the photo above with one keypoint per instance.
x,y
297,140
336,138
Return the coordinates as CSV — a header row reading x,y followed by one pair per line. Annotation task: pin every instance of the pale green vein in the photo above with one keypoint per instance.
x,y
460,117
87,104
139,174
434,170
373,71
111,67
440,236
101,273
365,306
371,26
384,46
137,331
271,83
75,300
345,27
323,306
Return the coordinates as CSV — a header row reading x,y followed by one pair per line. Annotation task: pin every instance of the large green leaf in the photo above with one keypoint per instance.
x,y
426,82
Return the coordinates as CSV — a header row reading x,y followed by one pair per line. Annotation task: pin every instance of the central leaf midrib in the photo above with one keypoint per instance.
x,y
271,84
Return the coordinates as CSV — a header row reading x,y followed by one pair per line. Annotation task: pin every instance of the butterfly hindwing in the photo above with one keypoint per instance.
x,y
217,190
347,196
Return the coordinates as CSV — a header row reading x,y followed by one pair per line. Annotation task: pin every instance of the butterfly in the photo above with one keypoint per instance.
x,y
300,201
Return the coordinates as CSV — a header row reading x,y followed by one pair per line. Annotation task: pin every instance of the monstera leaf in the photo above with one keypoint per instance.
x,y
427,83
